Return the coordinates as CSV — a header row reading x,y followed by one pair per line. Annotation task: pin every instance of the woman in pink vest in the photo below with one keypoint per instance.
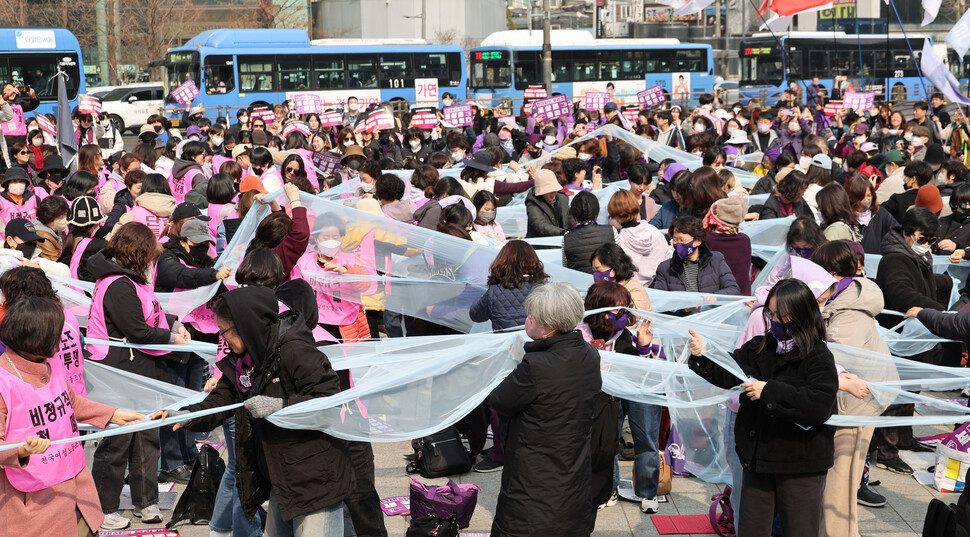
x,y
187,173
125,309
84,220
153,206
44,489
221,195
17,200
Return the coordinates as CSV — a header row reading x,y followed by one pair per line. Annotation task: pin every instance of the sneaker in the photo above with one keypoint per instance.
x,y
649,505
115,521
487,465
149,514
869,498
214,533
896,465
610,503
180,475
875,483
918,448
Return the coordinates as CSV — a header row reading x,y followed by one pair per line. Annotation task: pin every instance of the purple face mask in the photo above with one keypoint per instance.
x,y
804,253
619,322
685,250
603,275
779,331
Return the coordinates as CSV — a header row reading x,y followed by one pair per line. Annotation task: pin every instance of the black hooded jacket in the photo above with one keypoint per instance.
x,y
173,274
307,469
910,278
124,320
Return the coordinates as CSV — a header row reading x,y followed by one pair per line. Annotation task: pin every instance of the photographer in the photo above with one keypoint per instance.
x,y
27,99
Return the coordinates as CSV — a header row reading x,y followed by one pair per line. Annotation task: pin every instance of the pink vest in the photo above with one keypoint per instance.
x,y
155,223
335,296
311,174
69,357
181,185
218,161
272,179
10,210
201,317
319,333
213,212
98,329
44,412
76,257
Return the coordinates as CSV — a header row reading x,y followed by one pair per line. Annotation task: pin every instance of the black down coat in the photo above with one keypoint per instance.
x,y
307,469
549,398
578,245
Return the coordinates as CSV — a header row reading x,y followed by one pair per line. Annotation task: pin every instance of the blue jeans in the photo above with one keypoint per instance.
x,y
178,447
396,324
227,515
327,522
645,426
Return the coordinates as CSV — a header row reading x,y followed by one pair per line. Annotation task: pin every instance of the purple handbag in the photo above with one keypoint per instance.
x,y
442,501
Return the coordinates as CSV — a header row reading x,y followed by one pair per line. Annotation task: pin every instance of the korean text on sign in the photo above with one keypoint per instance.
x,y
551,108
651,96
185,93
595,100
459,116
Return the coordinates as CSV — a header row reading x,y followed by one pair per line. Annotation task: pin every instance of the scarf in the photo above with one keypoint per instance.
x,y
711,224
244,373
38,156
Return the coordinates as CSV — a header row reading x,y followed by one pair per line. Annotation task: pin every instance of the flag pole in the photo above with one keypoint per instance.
x,y
912,54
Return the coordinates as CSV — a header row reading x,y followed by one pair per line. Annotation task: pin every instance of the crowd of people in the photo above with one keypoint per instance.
x,y
155,217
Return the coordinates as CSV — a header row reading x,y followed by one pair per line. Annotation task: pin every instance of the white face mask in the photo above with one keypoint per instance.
x,y
59,225
367,187
17,189
920,249
415,144
550,140
353,107
457,155
447,102
942,177
908,137
742,121
700,127
217,141
244,120
348,143
585,156
804,162
328,248
37,142
707,107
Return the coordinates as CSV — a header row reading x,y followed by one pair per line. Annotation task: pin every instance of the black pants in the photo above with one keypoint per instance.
x,y
796,497
889,440
365,503
139,453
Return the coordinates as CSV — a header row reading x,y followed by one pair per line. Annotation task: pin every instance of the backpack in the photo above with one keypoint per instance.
x,y
440,455
199,497
723,524
433,526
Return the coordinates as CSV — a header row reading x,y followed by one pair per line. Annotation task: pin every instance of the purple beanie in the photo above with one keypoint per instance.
x,y
671,170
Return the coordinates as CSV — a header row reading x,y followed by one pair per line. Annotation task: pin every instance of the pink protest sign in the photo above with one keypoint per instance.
x,y
507,120
832,108
306,104
631,113
326,162
298,126
535,92
89,105
860,102
379,121
185,93
551,108
16,126
266,115
595,100
459,116
424,120
396,505
46,125
331,119
651,96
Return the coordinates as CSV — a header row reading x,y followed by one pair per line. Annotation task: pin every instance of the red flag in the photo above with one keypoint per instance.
x,y
792,7
763,8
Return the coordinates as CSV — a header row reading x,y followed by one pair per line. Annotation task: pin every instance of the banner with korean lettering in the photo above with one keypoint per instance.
x,y
551,108
459,116
46,125
89,105
832,108
306,103
595,100
379,121
535,92
651,96
325,162
858,101
185,93
331,119
424,119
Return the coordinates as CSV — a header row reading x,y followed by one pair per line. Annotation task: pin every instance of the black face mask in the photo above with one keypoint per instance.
x,y
960,214
199,252
27,249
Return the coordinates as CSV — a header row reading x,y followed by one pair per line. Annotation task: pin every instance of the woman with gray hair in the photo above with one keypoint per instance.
x,y
549,398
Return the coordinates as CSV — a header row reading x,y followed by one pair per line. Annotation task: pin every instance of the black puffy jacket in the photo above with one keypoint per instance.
x,y
579,244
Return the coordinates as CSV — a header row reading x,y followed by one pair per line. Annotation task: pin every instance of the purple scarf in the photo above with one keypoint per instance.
x,y
244,373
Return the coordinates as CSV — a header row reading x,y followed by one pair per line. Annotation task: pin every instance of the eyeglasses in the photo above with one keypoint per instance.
x,y
259,125
925,239
226,331
292,170
23,152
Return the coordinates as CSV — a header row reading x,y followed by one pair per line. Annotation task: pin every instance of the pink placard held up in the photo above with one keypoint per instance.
x,y
16,126
651,96
459,116
832,108
860,102
595,100
326,162
298,126
424,120
331,119
535,92
631,113
89,105
379,121
306,103
46,125
185,93
266,115
551,108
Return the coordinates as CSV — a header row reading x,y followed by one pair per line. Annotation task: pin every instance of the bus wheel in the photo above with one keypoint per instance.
x,y
898,93
117,122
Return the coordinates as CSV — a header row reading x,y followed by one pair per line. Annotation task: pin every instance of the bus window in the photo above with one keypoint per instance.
x,y
455,64
561,66
396,71
527,69
294,72
35,70
584,66
795,70
218,75
256,73
818,64
363,71
491,69
433,65
182,66
762,70
328,72
609,64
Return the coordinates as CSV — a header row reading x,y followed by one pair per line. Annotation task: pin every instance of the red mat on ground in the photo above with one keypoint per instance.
x,y
682,524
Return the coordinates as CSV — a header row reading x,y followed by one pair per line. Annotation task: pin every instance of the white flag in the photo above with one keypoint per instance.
x,y
930,9
686,7
959,36
778,23
940,76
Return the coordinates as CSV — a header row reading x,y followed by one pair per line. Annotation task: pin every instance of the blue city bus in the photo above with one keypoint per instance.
x,y
256,67
31,56
509,62
767,69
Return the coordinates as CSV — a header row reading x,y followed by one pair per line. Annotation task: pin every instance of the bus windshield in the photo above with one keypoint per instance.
x,y
491,69
36,69
761,66
182,66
